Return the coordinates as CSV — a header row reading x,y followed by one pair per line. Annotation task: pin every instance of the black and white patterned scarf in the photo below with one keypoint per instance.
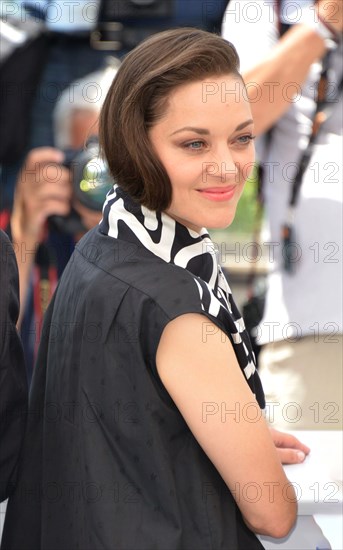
x,y
176,244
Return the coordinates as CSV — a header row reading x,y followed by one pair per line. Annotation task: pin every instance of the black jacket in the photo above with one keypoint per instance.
x,y
13,384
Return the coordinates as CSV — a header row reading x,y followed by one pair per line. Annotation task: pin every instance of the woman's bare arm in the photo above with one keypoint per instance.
x,y
198,366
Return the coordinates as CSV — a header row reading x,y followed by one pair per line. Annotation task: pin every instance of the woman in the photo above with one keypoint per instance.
x,y
151,435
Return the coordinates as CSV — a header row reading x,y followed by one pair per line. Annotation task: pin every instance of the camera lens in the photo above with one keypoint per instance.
x,y
91,177
96,181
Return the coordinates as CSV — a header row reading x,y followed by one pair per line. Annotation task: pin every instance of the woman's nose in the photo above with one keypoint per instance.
x,y
223,167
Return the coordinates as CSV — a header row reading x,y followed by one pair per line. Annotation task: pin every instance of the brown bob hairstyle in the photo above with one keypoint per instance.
x,y
138,98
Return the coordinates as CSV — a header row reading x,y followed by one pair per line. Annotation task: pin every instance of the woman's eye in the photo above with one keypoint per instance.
x,y
195,145
243,140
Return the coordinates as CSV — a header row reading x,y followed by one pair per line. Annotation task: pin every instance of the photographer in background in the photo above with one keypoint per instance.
x,y
49,212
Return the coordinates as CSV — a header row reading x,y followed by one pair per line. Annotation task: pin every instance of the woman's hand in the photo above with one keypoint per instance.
x,y
289,448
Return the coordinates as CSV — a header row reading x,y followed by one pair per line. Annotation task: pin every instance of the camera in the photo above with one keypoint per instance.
x,y
91,181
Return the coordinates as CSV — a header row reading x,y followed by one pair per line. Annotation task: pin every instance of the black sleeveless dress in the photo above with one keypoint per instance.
x,y
109,462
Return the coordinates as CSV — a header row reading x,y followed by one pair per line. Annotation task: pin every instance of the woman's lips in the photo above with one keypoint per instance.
x,y
218,193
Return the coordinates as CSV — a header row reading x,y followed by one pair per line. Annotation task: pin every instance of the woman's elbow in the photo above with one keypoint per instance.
x,y
282,528
279,523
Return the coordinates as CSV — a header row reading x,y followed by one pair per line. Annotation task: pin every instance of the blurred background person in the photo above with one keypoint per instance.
x,y
50,211
291,60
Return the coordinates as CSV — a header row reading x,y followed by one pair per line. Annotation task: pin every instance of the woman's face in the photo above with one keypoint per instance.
x,y
204,140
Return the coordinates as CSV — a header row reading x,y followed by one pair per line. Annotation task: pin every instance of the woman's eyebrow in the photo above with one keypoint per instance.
x,y
203,131
244,124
